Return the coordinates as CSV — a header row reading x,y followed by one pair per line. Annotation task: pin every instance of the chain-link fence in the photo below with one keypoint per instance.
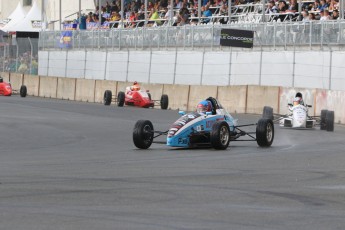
x,y
19,55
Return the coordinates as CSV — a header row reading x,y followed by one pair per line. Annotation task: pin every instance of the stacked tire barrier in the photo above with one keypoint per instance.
x,y
237,99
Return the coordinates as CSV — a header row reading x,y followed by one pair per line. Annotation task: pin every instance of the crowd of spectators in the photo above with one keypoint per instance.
x,y
311,10
186,12
24,64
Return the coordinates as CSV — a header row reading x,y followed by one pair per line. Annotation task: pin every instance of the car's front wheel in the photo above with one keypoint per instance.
x,y
220,135
23,91
143,134
264,132
107,97
164,101
120,99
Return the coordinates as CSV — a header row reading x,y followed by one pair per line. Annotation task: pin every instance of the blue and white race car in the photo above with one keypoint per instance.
x,y
215,128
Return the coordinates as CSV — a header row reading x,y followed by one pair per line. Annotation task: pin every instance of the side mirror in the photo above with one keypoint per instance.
x,y
147,91
181,112
289,104
309,106
208,113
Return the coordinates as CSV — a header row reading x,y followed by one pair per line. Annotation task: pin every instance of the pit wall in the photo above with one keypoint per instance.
x,y
236,99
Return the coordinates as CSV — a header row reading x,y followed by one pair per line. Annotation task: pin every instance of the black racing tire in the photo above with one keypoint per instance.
x,y
220,135
120,99
323,119
143,134
149,94
107,97
164,101
265,132
23,91
268,112
330,121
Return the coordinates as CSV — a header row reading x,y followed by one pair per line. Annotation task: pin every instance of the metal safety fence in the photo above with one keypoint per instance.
x,y
19,55
272,35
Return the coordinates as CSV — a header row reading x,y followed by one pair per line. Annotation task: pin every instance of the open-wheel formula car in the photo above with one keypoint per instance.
x,y
140,98
6,89
298,118
211,129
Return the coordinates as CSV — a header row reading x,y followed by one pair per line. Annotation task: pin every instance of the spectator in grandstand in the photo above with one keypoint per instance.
x,y
177,4
132,18
325,15
223,11
204,2
304,16
293,7
323,5
334,5
207,14
183,16
272,8
153,16
115,16
312,17
335,15
169,13
150,6
282,6
164,3
89,18
114,7
316,6
82,25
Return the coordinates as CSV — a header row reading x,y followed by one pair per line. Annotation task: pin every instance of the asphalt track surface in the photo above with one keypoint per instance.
x,y
71,165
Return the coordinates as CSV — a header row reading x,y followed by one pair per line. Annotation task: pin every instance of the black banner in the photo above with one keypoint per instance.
x,y
237,38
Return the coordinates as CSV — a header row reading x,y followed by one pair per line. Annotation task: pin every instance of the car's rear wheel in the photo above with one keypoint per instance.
x,y
120,99
267,112
330,121
107,97
323,119
143,134
264,132
220,135
23,91
164,101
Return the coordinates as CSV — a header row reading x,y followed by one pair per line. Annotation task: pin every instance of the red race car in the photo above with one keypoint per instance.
x,y
136,97
6,89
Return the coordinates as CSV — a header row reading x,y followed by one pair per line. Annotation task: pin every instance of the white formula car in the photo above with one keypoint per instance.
x,y
298,118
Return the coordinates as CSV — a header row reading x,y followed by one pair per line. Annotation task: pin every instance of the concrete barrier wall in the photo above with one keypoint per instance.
x,y
48,87
236,99
156,90
260,96
85,90
16,80
5,76
66,88
332,100
32,84
178,96
101,87
233,98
